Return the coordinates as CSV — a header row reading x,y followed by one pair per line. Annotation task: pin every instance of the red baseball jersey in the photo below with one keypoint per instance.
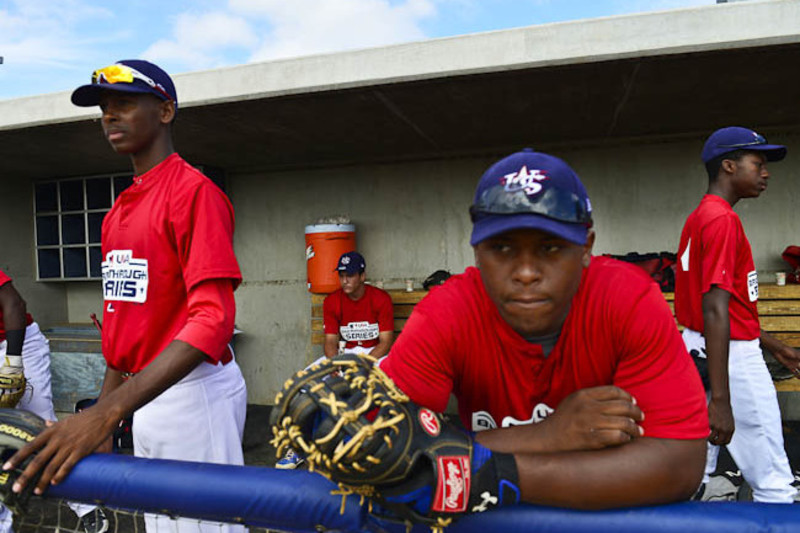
x,y
358,322
168,232
619,331
714,251
28,318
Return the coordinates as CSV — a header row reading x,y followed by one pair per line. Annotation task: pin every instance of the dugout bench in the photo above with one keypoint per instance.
x,y
778,308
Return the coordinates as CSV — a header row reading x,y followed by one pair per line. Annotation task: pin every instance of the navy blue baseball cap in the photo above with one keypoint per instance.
x,y
129,76
734,138
352,263
531,190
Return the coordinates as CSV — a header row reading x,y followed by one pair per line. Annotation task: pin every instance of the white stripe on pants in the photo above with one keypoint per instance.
x,y
757,442
200,418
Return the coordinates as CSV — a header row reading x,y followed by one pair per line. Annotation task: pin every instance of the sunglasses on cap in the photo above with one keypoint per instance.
x,y
557,204
118,73
759,139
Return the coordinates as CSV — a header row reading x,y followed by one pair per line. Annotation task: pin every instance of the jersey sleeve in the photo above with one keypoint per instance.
x,y
4,278
212,310
203,226
718,259
385,312
421,360
330,317
658,372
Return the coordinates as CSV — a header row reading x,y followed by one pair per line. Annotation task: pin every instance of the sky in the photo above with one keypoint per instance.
x,y
54,45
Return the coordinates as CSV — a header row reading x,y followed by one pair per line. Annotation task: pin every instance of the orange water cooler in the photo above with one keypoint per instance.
x,y
325,243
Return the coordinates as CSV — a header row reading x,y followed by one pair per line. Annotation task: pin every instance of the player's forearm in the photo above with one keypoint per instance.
x,y
331,346
14,318
529,438
111,380
717,335
644,472
13,308
170,366
770,343
384,343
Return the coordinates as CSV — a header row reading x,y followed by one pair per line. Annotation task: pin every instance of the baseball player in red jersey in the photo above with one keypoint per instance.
x,y
570,363
716,293
359,314
169,273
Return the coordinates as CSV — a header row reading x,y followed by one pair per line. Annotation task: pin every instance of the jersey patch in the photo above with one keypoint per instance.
x,y
752,285
540,412
481,421
125,278
359,331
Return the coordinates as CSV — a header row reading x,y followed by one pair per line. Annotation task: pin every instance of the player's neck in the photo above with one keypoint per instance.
x,y
720,187
358,293
154,154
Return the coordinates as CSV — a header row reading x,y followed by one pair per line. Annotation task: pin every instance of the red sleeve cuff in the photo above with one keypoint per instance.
x,y
212,310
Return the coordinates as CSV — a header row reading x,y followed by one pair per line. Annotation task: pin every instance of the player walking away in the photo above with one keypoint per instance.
x,y
716,292
567,364
358,315
23,346
168,279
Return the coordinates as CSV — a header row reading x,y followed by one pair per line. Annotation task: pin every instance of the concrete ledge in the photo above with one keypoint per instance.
x,y
76,375
698,29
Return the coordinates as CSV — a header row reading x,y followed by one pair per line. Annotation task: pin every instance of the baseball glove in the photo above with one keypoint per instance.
x,y
17,428
12,385
355,427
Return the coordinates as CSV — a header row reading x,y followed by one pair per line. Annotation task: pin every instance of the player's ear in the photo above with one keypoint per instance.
x,y
167,111
728,166
587,248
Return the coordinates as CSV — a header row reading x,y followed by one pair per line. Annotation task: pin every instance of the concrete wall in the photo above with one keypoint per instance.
x,y
411,219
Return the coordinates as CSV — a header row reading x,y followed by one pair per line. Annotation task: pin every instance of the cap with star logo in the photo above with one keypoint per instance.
x,y
531,190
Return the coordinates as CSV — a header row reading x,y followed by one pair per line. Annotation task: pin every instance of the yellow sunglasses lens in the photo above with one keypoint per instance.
x,y
113,74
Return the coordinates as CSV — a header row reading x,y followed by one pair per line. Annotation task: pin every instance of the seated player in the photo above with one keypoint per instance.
x,y
358,314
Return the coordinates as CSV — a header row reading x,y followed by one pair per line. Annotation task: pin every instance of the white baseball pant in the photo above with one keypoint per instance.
x,y
200,418
757,442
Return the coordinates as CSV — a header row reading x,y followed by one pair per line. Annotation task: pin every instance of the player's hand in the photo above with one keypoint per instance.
x,y
59,447
720,418
594,418
788,357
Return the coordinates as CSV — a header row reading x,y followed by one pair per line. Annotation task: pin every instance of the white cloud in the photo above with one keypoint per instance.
x,y
303,27
43,32
201,41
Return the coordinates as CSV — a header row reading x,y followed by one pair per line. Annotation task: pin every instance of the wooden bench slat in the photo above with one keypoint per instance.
x,y
779,323
787,385
778,307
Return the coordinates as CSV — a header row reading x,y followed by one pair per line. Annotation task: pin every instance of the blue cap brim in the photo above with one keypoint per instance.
x,y
89,95
773,152
492,225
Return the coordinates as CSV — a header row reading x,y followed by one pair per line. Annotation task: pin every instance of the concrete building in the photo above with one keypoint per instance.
x,y
396,138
